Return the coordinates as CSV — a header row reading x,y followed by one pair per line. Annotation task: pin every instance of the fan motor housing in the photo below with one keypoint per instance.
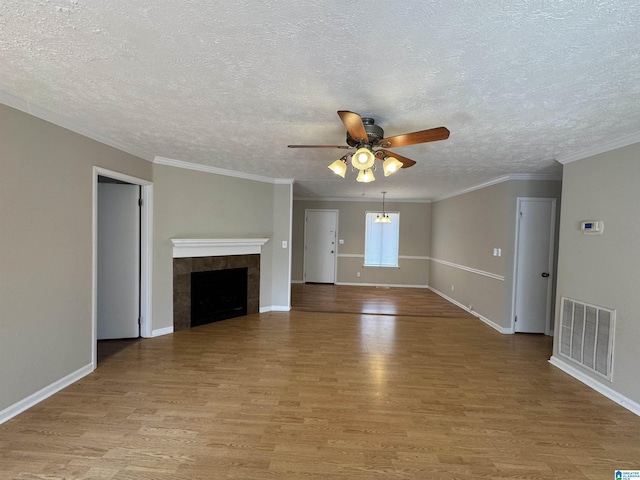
x,y
374,132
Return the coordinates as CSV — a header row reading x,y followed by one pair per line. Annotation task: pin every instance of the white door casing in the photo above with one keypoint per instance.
x,y
535,230
320,242
118,258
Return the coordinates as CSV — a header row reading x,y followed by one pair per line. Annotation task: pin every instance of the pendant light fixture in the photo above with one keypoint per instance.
x,y
384,218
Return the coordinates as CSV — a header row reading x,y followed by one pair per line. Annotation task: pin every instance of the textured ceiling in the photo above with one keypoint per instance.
x,y
231,84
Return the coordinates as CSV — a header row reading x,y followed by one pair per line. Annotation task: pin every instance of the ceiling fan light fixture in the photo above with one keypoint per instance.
x,y
339,167
365,136
365,176
391,165
363,159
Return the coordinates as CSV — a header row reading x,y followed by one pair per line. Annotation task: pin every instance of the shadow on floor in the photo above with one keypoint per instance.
x,y
108,348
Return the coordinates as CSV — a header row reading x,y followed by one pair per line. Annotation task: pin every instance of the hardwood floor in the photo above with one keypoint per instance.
x,y
108,348
321,395
375,300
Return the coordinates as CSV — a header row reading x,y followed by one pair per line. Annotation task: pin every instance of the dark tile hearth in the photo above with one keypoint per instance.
x,y
183,267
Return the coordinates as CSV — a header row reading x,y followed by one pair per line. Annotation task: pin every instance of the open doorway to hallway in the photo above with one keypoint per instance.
x,y
122,257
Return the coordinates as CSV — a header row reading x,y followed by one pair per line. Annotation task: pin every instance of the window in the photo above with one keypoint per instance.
x,y
381,241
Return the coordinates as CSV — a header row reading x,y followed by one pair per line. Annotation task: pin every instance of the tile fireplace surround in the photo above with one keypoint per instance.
x,y
199,255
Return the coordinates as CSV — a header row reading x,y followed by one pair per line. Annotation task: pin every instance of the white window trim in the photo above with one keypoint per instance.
x,y
373,265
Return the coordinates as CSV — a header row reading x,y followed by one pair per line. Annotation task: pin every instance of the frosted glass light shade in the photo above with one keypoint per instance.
x,y
363,159
339,167
382,219
365,176
391,165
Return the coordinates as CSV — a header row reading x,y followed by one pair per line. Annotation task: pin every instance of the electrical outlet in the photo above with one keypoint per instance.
x,y
358,274
452,288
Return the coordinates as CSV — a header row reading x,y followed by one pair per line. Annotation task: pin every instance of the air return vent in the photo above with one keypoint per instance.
x,y
586,335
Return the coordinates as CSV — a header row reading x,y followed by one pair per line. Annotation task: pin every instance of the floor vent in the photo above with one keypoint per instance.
x,y
586,336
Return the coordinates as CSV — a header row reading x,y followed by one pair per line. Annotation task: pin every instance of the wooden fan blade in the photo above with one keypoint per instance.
x,y
406,162
353,124
423,136
319,146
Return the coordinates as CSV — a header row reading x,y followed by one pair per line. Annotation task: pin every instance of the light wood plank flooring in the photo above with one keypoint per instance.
x,y
304,395
313,297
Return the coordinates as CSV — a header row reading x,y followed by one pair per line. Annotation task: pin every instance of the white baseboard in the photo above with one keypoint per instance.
x,y
357,284
381,285
275,308
44,393
162,331
608,392
280,308
492,324
489,322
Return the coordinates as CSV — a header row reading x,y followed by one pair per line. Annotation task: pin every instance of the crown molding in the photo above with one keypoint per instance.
x,y
549,177
602,148
48,116
360,199
220,171
284,181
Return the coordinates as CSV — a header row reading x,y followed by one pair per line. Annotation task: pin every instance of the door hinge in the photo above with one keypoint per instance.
x,y
139,321
139,202
516,319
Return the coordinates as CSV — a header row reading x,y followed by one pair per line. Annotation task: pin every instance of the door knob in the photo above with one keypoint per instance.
x,y
545,274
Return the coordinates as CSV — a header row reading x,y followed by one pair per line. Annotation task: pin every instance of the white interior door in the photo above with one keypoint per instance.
x,y
118,292
534,264
320,246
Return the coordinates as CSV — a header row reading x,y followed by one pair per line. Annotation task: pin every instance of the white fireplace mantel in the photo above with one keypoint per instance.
x,y
215,247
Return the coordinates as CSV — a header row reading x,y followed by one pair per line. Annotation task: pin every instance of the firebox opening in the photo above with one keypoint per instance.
x,y
218,295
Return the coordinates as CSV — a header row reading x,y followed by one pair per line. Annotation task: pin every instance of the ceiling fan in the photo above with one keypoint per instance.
x,y
371,144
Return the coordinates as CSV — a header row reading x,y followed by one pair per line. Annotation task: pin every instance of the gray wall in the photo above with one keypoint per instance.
x,y
282,223
604,269
465,230
46,192
195,204
414,241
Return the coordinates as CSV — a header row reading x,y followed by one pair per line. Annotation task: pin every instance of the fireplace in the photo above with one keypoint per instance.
x,y
218,295
183,287
207,260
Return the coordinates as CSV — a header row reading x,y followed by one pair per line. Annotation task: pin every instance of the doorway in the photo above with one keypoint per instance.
x,y
122,244
118,309
320,237
534,265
